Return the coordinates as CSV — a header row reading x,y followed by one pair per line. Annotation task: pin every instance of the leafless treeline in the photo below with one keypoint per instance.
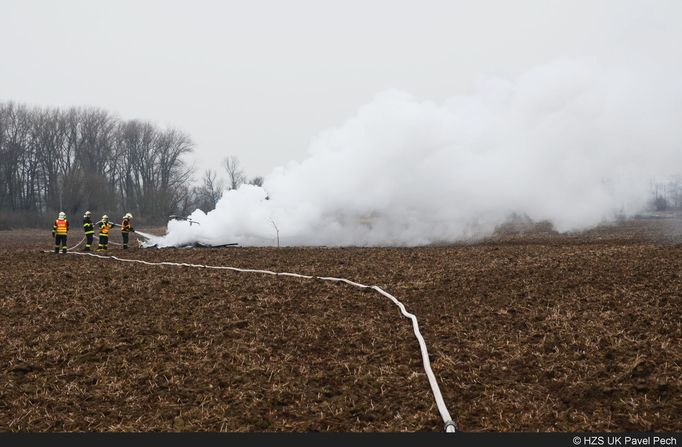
x,y
205,196
667,195
86,158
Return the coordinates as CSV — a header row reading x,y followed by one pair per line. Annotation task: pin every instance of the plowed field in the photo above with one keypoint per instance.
x,y
526,332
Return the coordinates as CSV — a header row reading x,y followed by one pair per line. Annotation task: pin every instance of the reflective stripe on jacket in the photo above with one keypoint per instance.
x,y
125,226
104,228
61,227
88,227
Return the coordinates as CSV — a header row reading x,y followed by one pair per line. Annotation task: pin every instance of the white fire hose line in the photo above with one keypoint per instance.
x,y
76,246
68,248
79,243
110,241
450,425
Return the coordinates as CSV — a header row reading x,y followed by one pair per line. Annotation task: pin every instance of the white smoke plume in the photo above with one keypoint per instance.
x,y
570,143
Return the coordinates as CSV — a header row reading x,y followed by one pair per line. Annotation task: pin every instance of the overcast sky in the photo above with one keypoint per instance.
x,y
260,79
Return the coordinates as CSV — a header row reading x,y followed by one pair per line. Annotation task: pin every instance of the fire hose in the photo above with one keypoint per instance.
x,y
449,426
80,242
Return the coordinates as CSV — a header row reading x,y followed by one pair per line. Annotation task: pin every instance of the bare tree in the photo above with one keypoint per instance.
x,y
86,158
210,191
272,221
258,181
235,174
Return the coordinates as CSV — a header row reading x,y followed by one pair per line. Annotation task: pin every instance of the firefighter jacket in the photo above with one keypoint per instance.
x,y
126,227
104,228
88,227
60,227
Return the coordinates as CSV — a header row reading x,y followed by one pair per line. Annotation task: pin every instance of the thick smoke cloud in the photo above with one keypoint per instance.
x,y
570,143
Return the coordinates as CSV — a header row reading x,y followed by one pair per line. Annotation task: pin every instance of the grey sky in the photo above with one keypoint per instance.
x,y
260,79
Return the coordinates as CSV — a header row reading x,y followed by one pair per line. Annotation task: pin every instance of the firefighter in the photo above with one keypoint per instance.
x,y
89,230
59,230
104,227
126,228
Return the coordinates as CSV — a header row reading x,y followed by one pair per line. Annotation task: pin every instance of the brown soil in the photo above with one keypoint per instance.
x,y
527,331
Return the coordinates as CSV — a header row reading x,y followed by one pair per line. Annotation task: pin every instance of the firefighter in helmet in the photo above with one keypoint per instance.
x,y
89,230
59,230
126,228
104,226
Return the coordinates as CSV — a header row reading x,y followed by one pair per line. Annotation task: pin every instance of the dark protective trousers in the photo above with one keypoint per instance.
x,y
88,241
103,241
60,242
125,239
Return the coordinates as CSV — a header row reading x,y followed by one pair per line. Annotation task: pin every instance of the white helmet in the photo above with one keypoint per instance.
x,y
62,215
105,217
128,216
87,214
